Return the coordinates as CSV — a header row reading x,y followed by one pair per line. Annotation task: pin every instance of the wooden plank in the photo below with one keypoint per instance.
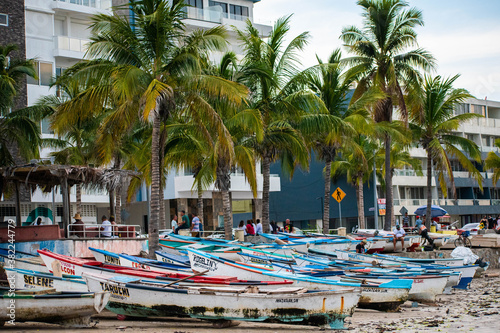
x,y
35,291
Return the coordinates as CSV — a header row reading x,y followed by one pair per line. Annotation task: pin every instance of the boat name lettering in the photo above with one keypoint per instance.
x,y
38,281
258,261
287,300
418,281
204,263
375,290
111,260
67,268
115,290
138,265
168,261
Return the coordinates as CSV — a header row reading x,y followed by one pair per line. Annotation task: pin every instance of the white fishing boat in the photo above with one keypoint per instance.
x,y
288,305
70,310
388,295
25,279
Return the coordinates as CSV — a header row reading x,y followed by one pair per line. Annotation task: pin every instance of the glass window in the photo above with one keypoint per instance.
x,y
195,3
4,19
462,108
478,109
45,126
222,5
238,12
45,74
32,80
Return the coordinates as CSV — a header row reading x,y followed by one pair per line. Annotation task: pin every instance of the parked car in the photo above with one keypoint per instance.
x,y
471,227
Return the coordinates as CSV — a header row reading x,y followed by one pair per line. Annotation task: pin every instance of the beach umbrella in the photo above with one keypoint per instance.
x,y
436,211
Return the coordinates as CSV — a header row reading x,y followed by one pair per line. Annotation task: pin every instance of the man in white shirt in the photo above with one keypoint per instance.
x,y
258,228
399,234
106,227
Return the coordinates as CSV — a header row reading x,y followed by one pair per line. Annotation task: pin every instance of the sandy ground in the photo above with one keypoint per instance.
x,y
473,310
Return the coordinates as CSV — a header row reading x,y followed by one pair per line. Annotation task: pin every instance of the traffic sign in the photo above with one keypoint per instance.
x,y
403,210
338,195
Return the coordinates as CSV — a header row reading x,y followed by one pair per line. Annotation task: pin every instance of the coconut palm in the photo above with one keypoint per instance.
x,y
356,162
492,161
17,127
382,49
270,70
333,82
150,64
433,123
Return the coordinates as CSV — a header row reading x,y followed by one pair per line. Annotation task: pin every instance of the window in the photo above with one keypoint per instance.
x,y
478,109
462,108
238,12
222,5
486,141
195,3
4,20
44,72
495,193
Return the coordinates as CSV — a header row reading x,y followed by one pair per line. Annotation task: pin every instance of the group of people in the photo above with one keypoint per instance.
x,y
490,222
250,228
192,222
105,230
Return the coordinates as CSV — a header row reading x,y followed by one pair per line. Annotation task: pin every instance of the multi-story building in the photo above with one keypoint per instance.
x,y
301,199
55,34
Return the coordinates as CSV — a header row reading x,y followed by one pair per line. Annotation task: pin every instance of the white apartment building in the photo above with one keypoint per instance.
x,y
56,36
471,204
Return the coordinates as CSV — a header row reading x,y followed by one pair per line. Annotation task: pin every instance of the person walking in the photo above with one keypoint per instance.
x,y
406,220
195,226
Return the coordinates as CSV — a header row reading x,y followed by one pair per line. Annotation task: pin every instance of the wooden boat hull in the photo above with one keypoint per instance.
x,y
69,310
326,308
378,297
36,280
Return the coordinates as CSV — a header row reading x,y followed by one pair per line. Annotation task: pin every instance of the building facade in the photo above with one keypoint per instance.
x,y
54,33
301,199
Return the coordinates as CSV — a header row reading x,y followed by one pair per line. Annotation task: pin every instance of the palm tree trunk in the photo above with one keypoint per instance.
x,y
79,198
389,202
326,203
228,221
361,203
200,202
118,205
155,187
266,171
111,194
429,191
162,222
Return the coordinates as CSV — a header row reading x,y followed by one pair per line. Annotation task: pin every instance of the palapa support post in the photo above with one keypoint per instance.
x,y
65,196
18,205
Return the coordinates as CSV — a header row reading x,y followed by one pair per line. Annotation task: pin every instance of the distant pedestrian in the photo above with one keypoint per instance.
x,y
288,228
418,222
483,224
195,226
425,235
173,223
258,228
491,223
250,229
360,248
406,220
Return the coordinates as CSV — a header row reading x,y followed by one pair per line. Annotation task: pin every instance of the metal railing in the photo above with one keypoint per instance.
x,y
71,43
92,230
99,4
447,202
212,15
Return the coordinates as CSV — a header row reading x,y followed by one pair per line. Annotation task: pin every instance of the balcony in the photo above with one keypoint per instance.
x,y
89,7
70,47
212,15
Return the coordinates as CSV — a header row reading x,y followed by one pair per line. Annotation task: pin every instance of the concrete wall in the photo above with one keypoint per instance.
x,y
79,248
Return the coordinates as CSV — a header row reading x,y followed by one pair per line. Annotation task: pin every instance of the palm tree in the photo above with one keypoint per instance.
x,y
270,70
380,50
12,73
154,67
19,133
356,161
492,161
433,124
332,82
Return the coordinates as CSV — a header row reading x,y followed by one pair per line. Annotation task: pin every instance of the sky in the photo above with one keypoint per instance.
x,y
463,35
